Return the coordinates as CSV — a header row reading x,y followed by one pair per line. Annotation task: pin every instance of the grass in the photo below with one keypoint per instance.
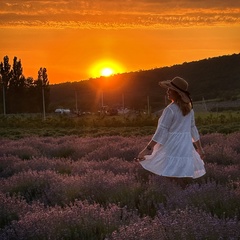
x,y
23,125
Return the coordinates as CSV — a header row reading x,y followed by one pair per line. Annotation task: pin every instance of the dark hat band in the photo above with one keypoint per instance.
x,y
180,88
186,92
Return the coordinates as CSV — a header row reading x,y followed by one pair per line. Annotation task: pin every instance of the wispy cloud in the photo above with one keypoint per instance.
x,y
113,14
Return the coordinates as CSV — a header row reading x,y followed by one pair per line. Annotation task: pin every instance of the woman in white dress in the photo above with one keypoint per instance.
x,y
170,152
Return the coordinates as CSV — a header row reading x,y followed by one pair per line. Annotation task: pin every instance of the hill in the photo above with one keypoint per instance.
x,y
212,78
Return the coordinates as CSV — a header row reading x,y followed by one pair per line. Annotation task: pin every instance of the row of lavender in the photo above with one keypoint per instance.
x,y
90,188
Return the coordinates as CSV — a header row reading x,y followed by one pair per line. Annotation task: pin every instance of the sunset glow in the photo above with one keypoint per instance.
x,y
73,38
106,68
107,72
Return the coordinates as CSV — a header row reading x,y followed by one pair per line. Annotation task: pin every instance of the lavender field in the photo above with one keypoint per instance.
x,y
91,188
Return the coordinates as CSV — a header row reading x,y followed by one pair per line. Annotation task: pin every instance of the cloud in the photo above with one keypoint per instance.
x,y
113,14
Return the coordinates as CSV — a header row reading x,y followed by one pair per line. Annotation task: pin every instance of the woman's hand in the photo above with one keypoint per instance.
x,y
146,151
142,154
201,152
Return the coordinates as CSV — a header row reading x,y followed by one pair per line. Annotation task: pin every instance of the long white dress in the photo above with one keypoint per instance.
x,y
174,154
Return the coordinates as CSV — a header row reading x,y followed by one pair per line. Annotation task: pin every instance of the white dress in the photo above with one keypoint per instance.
x,y
174,154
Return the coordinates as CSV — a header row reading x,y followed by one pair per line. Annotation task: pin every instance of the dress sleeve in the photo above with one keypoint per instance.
x,y
161,134
194,130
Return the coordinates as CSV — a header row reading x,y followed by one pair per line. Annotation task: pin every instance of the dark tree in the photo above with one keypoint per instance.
x,y
6,73
42,89
21,95
30,95
17,88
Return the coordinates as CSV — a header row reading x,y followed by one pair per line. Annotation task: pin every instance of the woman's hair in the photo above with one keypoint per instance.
x,y
184,107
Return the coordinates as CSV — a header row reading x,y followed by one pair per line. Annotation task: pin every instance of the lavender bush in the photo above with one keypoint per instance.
x,y
91,188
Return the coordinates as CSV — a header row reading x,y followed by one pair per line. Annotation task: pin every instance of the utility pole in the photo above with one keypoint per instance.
x,y
43,100
102,99
43,78
4,102
148,106
76,100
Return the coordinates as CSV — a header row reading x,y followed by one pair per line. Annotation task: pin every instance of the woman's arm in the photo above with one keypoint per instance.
x,y
200,149
161,134
147,150
196,137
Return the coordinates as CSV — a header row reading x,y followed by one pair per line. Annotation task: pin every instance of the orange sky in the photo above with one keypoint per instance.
x,y
73,39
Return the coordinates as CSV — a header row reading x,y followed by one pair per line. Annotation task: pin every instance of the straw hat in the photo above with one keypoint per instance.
x,y
179,85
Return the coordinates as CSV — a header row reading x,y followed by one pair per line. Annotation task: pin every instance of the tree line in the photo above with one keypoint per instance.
x,y
212,78
208,78
20,94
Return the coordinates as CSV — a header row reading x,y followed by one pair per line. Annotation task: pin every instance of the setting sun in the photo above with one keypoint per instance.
x,y
107,72
105,68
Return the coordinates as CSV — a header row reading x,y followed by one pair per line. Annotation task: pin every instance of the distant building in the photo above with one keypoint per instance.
x,y
62,111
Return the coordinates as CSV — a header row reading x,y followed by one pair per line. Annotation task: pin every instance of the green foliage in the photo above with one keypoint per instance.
x,y
17,126
224,122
